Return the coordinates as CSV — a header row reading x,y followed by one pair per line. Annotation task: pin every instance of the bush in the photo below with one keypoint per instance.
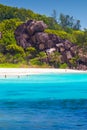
x,y
2,58
15,49
35,61
17,58
63,66
31,52
62,34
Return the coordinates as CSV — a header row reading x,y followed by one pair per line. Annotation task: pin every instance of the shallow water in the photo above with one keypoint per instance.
x,y
44,102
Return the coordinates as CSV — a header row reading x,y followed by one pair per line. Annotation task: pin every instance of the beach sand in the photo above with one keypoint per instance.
x,y
30,71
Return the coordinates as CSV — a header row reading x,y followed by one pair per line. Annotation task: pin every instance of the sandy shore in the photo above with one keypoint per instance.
x,y
31,71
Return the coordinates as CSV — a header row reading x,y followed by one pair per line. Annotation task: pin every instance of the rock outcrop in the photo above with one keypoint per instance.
x,y
31,34
0,35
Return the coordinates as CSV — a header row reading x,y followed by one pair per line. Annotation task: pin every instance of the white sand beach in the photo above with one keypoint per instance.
x,y
30,71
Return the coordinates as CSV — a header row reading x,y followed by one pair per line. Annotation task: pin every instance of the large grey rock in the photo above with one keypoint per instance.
x,y
31,34
59,45
68,55
67,44
40,37
50,51
74,50
35,26
0,35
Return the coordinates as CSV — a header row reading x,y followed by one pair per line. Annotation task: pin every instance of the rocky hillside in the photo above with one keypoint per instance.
x,y
31,34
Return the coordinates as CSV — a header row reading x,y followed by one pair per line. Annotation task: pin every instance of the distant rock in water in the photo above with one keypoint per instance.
x,y
31,34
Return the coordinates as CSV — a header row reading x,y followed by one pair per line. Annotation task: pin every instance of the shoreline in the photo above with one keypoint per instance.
x,y
32,71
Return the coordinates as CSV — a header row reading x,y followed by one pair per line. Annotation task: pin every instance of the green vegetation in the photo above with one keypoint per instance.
x,y
11,65
12,55
60,33
67,21
63,66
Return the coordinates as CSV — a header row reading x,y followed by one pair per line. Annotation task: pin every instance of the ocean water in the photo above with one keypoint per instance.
x,y
44,102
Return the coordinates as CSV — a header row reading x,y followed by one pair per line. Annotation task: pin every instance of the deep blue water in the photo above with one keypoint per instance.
x,y
44,102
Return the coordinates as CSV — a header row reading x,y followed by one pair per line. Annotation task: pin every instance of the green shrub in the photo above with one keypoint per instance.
x,y
62,34
14,49
35,61
2,58
63,66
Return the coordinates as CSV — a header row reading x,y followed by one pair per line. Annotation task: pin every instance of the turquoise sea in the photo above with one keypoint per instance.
x,y
44,102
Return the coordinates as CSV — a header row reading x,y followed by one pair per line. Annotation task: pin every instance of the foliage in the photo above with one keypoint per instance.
x,y
35,61
10,24
69,21
7,28
7,12
55,59
12,65
54,15
15,49
30,53
62,34
63,66
78,37
31,50
42,55
2,58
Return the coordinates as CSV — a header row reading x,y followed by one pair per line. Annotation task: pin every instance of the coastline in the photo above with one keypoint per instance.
x,y
31,71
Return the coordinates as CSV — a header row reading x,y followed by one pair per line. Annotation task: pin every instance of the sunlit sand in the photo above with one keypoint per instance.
x,y
30,71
